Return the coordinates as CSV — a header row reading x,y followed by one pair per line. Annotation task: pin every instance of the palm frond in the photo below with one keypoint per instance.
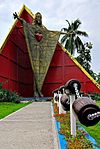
x,y
70,45
76,45
72,49
68,22
76,24
67,45
81,33
63,39
79,44
64,29
70,26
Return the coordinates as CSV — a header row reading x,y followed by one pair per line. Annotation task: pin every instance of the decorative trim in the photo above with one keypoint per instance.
x,y
29,11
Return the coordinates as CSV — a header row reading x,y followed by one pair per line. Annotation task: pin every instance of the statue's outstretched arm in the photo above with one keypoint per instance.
x,y
17,17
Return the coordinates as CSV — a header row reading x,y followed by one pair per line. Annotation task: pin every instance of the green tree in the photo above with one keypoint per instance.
x,y
84,58
71,39
98,78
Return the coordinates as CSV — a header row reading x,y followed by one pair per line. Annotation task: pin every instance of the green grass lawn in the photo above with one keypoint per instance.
x,y
94,131
7,108
98,103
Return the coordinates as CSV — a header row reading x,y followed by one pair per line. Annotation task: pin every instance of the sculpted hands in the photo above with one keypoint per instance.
x,y
15,15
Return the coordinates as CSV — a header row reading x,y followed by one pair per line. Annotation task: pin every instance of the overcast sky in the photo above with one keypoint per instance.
x,y
55,12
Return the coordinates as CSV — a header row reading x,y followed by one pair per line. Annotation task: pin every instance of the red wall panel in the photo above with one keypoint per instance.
x,y
26,89
49,87
62,69
57,58
15,64
26,60
13,85
53,75
13,70
4,66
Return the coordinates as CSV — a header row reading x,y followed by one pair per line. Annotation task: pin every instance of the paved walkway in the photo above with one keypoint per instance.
x,y
29,128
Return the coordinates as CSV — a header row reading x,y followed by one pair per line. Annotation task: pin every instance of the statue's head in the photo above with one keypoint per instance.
x,y
38,18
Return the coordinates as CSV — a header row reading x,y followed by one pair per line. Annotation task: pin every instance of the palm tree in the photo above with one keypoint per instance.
x,y
72,39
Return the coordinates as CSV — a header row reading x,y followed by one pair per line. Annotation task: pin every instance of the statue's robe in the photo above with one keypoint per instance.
x,y
41,45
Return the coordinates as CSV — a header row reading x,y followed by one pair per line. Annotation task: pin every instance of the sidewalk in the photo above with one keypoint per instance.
x,y
29,128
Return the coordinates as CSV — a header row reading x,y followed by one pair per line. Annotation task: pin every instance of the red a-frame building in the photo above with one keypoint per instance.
x,y
16,71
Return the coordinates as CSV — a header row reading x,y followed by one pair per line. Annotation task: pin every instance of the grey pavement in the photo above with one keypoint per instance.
x,y
32,127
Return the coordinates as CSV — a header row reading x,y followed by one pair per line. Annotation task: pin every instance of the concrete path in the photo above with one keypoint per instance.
x,y
29,128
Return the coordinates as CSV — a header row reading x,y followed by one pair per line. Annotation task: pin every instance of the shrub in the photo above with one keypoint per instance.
x,y
15,97
5,95
95,96
8,96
